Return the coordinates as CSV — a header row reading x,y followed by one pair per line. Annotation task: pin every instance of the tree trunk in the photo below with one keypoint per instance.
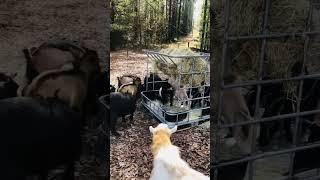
x,y
170,21
179,17
204,25
136,22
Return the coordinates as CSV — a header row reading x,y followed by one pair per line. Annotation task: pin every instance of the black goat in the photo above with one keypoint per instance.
x,y
120,106
162,91
38,135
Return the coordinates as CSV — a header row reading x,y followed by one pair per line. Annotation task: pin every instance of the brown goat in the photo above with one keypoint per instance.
x,y
129,84
127,79
235,110
51,55
129,88
68,86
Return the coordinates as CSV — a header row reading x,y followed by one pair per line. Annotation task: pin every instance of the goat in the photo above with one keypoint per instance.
x,y
51,55
274,101
75,85
112,88
197,93
179,92
235,110
38,135
167,163
120,106
68,86
128,78
162,91
129,84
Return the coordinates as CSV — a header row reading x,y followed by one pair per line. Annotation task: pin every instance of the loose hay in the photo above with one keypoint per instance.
x,y
131,156
246,18
175,66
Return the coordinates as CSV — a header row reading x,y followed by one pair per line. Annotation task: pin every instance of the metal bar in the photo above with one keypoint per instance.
x,y
219,74
189,73
273,35
180,56
147,75
297,123
273,81
272,118
163,59
156,82
156,57
261,73
266,154
204,97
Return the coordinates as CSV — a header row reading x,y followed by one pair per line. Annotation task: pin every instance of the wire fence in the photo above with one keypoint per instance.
x,y
220,68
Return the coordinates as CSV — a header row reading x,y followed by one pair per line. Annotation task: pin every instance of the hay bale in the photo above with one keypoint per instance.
x,y
246,18
175,66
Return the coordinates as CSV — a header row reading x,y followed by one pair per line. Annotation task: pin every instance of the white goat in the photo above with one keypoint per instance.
x,y
167,163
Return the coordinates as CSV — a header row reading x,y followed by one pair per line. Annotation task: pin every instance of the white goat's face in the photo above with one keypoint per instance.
x,y
163,127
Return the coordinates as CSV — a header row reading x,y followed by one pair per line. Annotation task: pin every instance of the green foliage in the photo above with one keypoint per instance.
x,y
143,23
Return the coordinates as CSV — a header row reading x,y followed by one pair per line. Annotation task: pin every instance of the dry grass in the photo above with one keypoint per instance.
x,y
175,66
246,19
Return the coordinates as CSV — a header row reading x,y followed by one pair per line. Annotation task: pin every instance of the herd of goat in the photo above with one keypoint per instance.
x,y
43,119
161,91
237,108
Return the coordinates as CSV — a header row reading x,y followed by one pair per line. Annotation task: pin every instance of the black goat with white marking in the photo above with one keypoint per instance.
x,y
162,91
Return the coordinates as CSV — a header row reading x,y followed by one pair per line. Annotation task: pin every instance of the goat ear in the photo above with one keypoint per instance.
x,y
151,129
174,129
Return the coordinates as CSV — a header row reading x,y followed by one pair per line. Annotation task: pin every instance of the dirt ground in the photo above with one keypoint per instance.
x,y
30,23
130,154
127,62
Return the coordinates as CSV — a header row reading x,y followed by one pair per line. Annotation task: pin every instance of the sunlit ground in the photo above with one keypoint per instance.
x,y
194,37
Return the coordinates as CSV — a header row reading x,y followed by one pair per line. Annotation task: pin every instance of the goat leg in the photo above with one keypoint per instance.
x,y
171,99
113,126
131,116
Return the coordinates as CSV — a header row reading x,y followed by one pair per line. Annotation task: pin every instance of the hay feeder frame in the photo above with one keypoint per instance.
x,y
183,118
